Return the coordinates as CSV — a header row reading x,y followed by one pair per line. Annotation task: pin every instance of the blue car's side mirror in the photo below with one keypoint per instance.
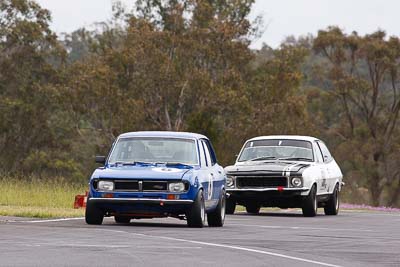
x,y
101,159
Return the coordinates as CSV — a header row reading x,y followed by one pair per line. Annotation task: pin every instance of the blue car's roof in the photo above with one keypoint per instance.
x,y
163,134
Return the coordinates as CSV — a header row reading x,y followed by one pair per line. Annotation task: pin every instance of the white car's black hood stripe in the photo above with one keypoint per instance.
x,y
269,168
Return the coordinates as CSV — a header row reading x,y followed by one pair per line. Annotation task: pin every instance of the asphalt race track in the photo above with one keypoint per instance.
x,y
269,239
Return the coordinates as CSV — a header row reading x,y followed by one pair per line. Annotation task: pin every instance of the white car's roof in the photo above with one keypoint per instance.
x,y
291,137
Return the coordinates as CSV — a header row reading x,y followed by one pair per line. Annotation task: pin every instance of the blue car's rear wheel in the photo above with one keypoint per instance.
x,y
230,205
122,219
93,215
217,217
253,208
196,214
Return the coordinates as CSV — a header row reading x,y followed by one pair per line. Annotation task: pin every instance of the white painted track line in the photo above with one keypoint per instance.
x,y
227,247
301,228
53,220
208,243
251,250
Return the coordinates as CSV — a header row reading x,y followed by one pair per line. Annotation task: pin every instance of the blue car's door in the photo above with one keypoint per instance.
x,y
216,174
206,175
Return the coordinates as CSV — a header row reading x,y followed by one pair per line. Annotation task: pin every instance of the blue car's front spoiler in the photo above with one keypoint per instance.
x,y
141,201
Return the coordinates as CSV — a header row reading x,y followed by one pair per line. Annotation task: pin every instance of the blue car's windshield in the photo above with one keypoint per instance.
x,y
154,150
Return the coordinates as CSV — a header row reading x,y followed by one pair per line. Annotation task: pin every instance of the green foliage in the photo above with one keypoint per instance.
x,y
278,105
363,75
28,98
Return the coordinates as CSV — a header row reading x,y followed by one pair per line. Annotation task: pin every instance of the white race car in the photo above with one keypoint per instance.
x,y
284,171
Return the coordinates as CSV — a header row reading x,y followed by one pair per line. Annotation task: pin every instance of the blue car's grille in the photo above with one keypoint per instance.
x,y
154,186
126,185
139,185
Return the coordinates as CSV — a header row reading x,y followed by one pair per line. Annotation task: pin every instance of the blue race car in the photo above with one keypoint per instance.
x,y
158,174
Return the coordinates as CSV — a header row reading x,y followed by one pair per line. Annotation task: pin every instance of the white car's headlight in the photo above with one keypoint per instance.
x,y
230,182
176,187
105,186
296,182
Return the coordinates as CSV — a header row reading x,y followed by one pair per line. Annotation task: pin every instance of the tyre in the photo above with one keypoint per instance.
x,y
310,205
332,205
197,213
122,219
217,217
253,208
230,206
93,215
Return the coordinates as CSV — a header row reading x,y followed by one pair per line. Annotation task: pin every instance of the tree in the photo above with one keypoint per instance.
x,y
278,104
174,65
193,53
29,56
78,44
364,80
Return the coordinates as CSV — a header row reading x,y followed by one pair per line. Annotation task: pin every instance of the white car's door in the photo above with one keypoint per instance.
x,y
330,166
322,180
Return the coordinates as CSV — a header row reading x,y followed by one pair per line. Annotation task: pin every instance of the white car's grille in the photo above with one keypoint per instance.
x,y
260,181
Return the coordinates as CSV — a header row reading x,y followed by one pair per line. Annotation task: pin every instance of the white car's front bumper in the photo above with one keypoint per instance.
x,y
278,189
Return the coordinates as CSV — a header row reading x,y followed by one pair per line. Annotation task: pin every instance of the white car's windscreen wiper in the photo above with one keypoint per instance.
x,y
132,163
263,158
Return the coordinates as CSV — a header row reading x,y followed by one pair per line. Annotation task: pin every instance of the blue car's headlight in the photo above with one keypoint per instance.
x,y
105,186
176,187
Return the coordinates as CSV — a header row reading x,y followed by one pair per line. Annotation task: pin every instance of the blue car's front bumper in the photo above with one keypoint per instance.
x,y
139,204
141,207
128,201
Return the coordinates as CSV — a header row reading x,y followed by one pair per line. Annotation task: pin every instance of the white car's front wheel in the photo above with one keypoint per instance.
x,y
310,203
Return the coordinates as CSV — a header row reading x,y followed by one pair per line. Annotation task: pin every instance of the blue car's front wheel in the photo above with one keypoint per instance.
x,y
196,214
93,215
216,218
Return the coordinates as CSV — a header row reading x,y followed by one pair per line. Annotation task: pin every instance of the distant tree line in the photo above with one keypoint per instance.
x,y
187,66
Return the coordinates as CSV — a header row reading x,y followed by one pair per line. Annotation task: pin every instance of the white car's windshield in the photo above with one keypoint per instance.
x,y
154,150
277,149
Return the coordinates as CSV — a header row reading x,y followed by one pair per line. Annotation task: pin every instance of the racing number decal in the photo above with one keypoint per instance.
x,y
210,187
324,184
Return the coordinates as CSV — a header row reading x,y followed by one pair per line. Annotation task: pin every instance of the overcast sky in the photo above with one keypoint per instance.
x,y
281,17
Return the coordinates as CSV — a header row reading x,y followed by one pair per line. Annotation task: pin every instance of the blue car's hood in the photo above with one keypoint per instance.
x,y
141,172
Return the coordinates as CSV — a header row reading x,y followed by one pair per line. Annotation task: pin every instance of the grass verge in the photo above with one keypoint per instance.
x,y
40,212
38,198
55,198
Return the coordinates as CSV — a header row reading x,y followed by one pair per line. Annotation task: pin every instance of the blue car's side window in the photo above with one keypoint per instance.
x,y
202,155
207,153
213,157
